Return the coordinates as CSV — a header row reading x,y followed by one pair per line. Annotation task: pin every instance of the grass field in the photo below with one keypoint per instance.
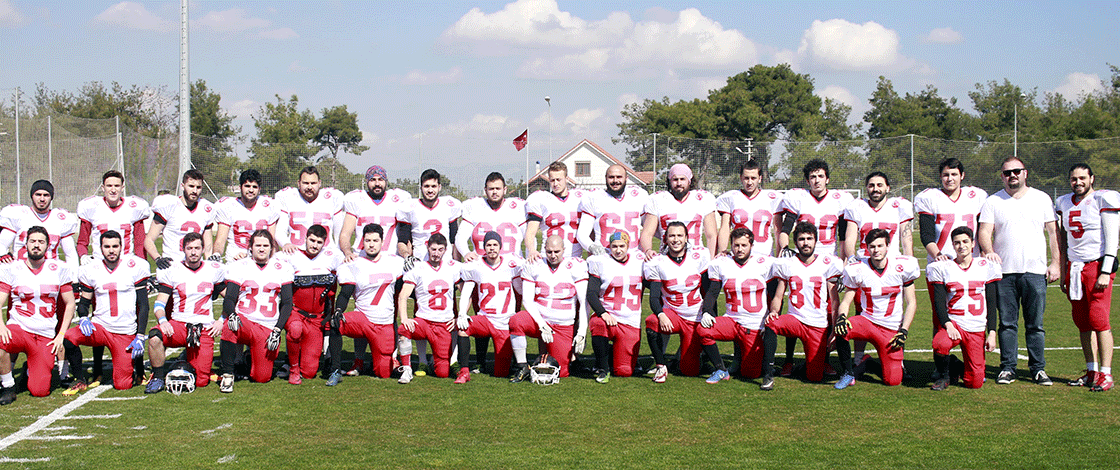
x,y
630,422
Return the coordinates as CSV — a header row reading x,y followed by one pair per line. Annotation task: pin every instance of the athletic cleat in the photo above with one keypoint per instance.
x,y
661,374
845,380
829,371
358,364
294,377
1104,383
226,386
1041,378
767,384
1005,377
7,395
284,372
406,375
77,386
521,375
940,384
1087,380
956,369
334,378
154,386
603,376
718,376
787,369
464,376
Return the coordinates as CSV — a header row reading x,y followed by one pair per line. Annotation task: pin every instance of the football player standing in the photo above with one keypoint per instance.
x,y
238,217
16,219
175,216
680,201
617,207
750,207
493,213
557,210
307,205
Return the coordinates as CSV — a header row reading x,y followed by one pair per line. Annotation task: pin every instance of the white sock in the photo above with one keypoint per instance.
x,y
1091,366
1106,370
454,351
404,345
519,345
7,380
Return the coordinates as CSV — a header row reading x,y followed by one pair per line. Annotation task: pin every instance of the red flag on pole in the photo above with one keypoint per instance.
x,y
521,140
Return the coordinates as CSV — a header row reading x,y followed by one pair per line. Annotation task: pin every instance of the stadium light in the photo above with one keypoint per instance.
x,y
548,101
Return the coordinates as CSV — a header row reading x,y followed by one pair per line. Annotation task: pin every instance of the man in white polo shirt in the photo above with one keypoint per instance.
x,y
1012,223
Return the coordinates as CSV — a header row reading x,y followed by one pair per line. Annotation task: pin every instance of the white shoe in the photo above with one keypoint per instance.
x,y
406,375
661,373
227,384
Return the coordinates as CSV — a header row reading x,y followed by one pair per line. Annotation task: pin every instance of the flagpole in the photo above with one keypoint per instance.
x,y
528,150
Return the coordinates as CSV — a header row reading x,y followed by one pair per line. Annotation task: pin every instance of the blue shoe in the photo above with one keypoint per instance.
x,y
718,376
845,380
335,378
154,386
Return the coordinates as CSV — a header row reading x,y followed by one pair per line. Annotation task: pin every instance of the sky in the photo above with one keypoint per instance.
x,y
450,84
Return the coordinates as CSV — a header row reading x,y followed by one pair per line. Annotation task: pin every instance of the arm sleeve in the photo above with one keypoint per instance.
x,y
343,299
84,230
218,289
771,289
138,236
655,297
142,307
788,221
404,232
285,305
453,228
83,306
229,304
711,294
927,228
941,303
594,300
842,229
991,293
166,289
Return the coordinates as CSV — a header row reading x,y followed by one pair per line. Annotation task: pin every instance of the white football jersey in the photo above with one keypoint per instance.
x,y
744,287
259,297
435,289
427,221
34,294
691,210
895,212
558,217
179,221
807,285
621,287
191,290
243,221
680,283
374,284
508,220
949,214
58,222
824,213
555,291
613,215
384,213
879,295
756,213
296,215
967,297
103,218
1082,222
497,286
114,293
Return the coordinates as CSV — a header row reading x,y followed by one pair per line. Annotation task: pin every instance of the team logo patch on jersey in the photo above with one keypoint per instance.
x,y
773,195
61,216
827,260
131,263
634,192
396,198
209,208
836,195
328,196
54,267
266,203
277,265
983,262
898,268
696,256
512,204
761,260
972,194
131,203
894,204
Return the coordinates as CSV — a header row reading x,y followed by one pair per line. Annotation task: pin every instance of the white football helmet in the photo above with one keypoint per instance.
x,y
546,371
180,379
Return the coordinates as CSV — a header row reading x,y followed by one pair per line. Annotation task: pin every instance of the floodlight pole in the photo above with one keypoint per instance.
x,y
549,102
184,94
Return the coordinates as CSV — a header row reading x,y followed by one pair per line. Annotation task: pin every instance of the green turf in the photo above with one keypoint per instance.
x,y
630,422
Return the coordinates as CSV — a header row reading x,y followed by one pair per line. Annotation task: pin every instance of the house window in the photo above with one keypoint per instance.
x,y
583,169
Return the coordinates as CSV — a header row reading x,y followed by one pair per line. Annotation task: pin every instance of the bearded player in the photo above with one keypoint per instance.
x,y
175,216
556,210
434,282
893,214
120,319
495,280
111,211
36,318
966,303
313,289
615,208
677,281
614,295
493,213
750,207
810,279
884,284
373,280
258,302
16,219
191,287
377,204
1089,218
239,217
307,205
553,285
695,208
745,279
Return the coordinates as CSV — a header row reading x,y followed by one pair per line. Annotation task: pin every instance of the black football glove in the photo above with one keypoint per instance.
x,y
163,262
273,342
843,326
215,257
233,321
336,320
899,339
194,335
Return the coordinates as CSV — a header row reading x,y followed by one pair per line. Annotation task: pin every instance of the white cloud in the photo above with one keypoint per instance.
x,y
839,93
1079,84
279,34
478,124
416,77
234,19
9,16
243,109
132,15
627,99
841,45
579,122
559,44
297,67
944,36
